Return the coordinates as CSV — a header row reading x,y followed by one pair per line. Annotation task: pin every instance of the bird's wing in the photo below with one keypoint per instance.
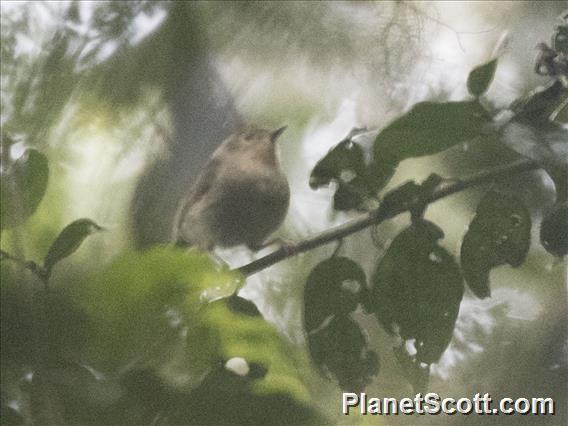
x,y
202,184
204,180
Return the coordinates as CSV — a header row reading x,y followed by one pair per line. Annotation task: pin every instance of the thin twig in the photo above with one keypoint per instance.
x,y
381,214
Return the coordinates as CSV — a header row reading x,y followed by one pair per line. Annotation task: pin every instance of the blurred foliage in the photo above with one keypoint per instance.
x,y
22,188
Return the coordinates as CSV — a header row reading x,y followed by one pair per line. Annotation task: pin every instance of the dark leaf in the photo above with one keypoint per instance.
x,y
69,240
335,286
345,156
16,320
334,289
428,128
351,196
410,194
86,399
340,348
241,405
554,230
499,234
481,77
22,188
243,306
345,165
540,104
560,38
401,197
417,373
417,289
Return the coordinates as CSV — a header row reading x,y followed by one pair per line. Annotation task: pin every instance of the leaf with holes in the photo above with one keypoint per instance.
x,y
417,290
480,78
499,234
345,165
335,286
69,240
334,289
22,188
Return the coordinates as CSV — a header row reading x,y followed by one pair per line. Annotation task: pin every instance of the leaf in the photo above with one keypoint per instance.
x,y
416,372
499,234
242,335
554,230
22,188
560,38
69,240
240,305
334,289
138,306
417,290
345,156
345,165
481,77
335,286
171,311
541,104
410,194
340,348
428,128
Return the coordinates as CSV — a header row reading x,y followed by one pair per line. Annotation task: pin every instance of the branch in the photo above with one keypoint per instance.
x,y
381,214
38,270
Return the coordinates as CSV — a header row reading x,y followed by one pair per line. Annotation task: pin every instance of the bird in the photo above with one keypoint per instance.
x,y
240,197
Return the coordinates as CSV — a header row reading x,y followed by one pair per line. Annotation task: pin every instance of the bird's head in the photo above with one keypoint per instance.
x,y
255,136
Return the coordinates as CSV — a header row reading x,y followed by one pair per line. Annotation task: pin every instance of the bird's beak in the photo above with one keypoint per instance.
x,y
275,134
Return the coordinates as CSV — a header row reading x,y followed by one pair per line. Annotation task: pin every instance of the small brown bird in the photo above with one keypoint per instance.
x,y
240,197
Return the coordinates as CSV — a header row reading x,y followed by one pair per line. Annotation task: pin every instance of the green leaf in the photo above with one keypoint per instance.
x,y
238,334
169,310
499,234
69,240
22,188
481,77
335,286
417,290
139,305
428,128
